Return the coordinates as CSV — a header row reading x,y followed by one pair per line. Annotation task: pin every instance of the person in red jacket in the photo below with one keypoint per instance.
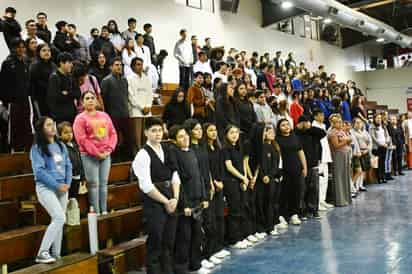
x,y
296,110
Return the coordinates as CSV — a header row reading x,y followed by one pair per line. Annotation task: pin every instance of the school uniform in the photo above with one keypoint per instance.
x,y
157,169
189,230
268,195
293,179
78,172
214,216
235,197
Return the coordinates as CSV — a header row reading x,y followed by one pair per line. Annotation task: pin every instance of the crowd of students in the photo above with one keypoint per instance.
x,y
261,137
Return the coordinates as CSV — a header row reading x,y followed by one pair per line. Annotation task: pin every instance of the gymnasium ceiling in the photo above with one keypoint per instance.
x,y
396,13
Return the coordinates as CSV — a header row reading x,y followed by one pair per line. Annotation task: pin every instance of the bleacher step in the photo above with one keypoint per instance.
x,y
79,263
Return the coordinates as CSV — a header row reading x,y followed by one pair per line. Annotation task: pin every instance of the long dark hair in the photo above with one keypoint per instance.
x,y
189,125
226,143
216,143
40,138
278,132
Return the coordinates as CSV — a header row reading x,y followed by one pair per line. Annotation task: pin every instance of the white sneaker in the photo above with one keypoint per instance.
x,y
274,232
45,258
327,205
225,252
239,245
252,239
247,243
215,260
282,220
219,255
294,220
322,208
207,264
203,271
282,226
260,236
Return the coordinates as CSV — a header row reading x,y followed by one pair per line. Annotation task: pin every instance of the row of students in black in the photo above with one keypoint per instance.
x,y
186,183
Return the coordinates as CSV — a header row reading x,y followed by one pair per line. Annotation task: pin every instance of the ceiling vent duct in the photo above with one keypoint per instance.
x,y
352,19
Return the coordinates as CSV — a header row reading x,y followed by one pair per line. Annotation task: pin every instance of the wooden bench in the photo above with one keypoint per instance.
x,y
20,244
9,216
23,186
119,196
81,263
13,164
170,86
123,257
118,226
158,110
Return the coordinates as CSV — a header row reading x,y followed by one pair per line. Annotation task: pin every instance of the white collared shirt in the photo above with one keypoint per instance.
x,y
202,67
141,167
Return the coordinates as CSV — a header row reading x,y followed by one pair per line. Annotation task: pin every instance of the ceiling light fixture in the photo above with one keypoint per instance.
x,y
327,21
286,5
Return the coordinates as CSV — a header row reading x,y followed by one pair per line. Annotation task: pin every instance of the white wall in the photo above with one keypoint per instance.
x,y
387,87
359,56
242,30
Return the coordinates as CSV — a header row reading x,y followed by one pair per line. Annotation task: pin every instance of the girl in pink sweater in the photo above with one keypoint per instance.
x,y
97,139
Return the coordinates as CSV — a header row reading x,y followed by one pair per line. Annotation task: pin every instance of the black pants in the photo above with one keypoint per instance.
x,y
267,205
311,191
213,226
397,157
291,194
184,77
381,153
188,245
74,188
235,198
250,211
161,230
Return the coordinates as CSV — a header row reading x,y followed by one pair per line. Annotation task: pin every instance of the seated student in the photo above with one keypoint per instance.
x,y
176,111
65,132
214,217
160,183
52,171
235,182
310,140
265,157
193,198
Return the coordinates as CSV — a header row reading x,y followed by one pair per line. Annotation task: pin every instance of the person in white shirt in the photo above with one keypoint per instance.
x,y
326,158
202,65
131,30
160,183
183,52
140,90
263,111
249,70
128,54
221,72
143,52
407,128
31,30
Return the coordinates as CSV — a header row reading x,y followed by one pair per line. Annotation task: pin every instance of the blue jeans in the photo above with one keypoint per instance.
x,y
388,161
55,204
97,174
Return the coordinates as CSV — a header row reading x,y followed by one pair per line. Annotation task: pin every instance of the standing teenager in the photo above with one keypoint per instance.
x,y
97,139
380,142
160,183
215,215
295,171
193,200
52,171
236,183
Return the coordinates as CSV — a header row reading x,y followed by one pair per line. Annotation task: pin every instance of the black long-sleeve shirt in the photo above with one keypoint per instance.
x,y
175,114
397,135
247,116
215,163
310,140
40,72
65,43
14,78
11,30
43,33
61,94
203,160
115,95
192,190
104,45
226,114
269,165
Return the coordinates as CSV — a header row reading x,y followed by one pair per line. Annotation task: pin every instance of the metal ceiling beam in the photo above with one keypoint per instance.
x,y
368,4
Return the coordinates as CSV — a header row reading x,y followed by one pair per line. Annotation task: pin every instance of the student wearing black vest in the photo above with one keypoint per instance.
x,y
193,199
159,181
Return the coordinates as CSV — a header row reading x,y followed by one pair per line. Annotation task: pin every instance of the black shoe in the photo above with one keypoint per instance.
x,y
363,189
303,217
354,195
383,181
388,177
316,215
401,174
